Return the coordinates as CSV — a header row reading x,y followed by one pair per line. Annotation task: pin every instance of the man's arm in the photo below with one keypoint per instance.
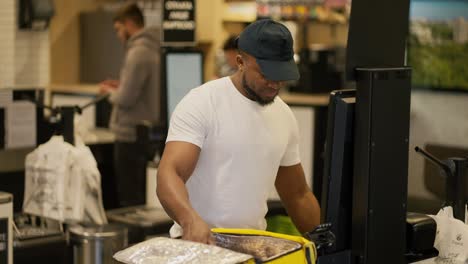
x,y
299,201
177,164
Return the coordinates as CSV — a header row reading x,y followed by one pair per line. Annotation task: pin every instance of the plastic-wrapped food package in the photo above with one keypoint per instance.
x,y
262,248
162,250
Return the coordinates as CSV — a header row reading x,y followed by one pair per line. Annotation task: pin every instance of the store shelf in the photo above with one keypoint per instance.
x,y
239,11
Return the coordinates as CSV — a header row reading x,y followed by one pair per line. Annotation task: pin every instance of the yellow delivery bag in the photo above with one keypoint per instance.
x,y
298,250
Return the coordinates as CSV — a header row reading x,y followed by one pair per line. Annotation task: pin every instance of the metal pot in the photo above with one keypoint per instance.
x,y
97,244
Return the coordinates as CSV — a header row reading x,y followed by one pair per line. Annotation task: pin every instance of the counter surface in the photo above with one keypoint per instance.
x,y
305,99
289,98
74,88
99,136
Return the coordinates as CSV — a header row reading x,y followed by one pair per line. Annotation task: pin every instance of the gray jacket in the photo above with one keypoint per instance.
x,y
138,96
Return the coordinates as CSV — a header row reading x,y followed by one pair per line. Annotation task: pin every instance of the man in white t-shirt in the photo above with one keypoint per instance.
x,y
231,140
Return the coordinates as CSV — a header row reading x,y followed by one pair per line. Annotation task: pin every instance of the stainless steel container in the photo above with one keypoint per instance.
x,y
97,244
6,225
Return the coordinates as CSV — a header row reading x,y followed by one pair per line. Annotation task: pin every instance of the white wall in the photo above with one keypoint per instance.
x,y
436,117
32,58
305,118
24,55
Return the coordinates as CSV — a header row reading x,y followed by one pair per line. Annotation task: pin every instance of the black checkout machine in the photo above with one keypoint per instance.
x,y
340,203
364,191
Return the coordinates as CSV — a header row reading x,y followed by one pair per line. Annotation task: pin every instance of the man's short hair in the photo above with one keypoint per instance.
x,y
230,43
131,12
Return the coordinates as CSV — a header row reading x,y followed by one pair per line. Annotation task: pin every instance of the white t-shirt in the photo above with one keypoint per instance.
x,y
242,146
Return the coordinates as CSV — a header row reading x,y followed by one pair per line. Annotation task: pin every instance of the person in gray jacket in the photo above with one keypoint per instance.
x,y
135,98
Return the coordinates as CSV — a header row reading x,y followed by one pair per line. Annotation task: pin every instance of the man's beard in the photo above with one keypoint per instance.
x,y
124,38
127,36
253,95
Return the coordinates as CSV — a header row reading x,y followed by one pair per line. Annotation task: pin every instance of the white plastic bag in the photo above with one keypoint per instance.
x,y
451,239
88,171
62,182
46,179
162,250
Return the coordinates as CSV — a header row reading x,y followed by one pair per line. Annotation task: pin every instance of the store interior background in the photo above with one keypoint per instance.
x,y
53,58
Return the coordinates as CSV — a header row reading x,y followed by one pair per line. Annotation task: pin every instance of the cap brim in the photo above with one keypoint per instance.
x,y
279,70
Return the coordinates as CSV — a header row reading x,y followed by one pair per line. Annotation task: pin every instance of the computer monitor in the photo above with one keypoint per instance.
x,y
336,203
183,72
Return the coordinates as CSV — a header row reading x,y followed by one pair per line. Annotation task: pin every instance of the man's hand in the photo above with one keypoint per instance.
x,y
103,89
108,86
175,168
111,83
198,231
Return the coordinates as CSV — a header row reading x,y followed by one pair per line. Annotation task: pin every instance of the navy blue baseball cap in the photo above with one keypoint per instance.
x,y
271,44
